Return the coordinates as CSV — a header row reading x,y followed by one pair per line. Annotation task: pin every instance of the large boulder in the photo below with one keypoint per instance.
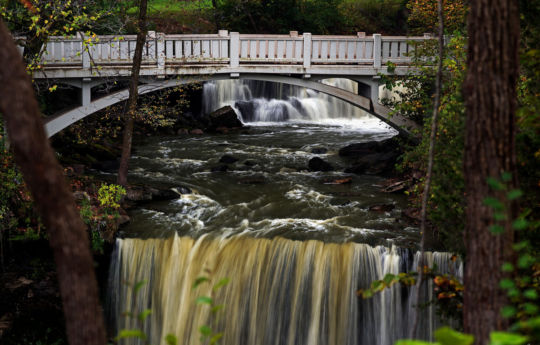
x,y
317,164
362,149
224,117
373,157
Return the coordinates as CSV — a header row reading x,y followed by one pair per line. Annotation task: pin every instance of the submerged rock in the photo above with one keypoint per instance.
x,y
145,193
382,208
220,168
319,150
228,159
317,164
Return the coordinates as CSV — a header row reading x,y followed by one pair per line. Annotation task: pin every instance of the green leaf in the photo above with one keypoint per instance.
x,y
205,330
513,292
496,229
171,339
507,284
530,294
520,245
144,314
138,286
199,281
530,308
414,342
494,203
204,300
221,283
508,311
447,336
514,194
520,224
525,260
505,338
507,267
217,308
506,176
216,338
388,279
495,184
131,333
498,216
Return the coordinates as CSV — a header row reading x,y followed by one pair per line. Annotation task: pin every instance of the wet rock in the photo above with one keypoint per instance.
x,y
374,157
249,163
220,168
345,180
319,150
370,147
146,193
287,170
196,131
382,208
182,131
247,109
317,164
223,117
228,159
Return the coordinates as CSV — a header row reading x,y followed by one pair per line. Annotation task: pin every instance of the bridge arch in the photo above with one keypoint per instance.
x,y
55,124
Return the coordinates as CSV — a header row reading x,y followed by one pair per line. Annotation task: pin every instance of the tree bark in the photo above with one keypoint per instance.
x,y
133,95
490,98
54,201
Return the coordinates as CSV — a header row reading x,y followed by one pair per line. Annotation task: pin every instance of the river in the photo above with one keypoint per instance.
x,y
294,245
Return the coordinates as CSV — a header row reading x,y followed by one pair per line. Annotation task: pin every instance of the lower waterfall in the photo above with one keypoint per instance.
x,y
281,292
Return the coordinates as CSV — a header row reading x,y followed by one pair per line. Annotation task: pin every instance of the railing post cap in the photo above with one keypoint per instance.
x,y
361,34
223,33
427,35
293,33
151,34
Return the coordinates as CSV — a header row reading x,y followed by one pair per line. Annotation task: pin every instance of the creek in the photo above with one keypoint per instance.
x,y
294,244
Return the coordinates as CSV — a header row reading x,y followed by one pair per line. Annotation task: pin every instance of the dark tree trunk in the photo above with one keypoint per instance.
x,y
490,98
133,95
54,201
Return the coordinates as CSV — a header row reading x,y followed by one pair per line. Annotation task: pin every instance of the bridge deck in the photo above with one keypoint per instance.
x,y
233,53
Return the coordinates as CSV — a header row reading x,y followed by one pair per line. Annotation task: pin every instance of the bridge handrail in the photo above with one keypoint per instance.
x,y
230,48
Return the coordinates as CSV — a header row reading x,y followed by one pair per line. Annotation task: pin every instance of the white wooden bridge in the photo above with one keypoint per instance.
x,y
170,60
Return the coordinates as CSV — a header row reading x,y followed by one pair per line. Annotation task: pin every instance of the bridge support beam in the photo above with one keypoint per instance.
x,y
86,91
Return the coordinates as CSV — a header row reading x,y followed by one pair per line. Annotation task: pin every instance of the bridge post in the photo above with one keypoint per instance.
x,y
85,51
307,49
86,91
234,51
377,48
160,53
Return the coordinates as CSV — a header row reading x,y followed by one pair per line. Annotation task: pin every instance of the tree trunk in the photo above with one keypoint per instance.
x,y
133,95
54,201
490,98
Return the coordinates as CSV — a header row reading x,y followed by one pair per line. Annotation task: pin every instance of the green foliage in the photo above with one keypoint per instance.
x,y
109,196
423,15
208,335
382,16
446,200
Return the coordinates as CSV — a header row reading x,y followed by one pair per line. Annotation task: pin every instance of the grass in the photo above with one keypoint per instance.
x,y
167,7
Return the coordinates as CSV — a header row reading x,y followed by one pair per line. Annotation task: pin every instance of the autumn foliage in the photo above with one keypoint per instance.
x,y
423,15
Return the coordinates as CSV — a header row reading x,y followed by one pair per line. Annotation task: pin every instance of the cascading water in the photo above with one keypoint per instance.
x,y
280,291
257,101
295,244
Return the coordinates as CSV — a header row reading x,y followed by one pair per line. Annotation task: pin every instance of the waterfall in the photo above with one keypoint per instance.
x,y
257,101
281,292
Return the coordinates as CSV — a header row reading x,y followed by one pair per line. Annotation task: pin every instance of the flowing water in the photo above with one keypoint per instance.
x,y
294,245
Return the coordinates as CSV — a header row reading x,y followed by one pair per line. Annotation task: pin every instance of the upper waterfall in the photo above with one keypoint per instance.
x,y
257,101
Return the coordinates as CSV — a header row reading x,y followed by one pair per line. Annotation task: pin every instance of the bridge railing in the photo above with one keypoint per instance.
x,y
231,49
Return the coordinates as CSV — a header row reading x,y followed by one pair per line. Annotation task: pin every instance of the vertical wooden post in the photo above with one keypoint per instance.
x,y
160,53
234,49
377,48
307,49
